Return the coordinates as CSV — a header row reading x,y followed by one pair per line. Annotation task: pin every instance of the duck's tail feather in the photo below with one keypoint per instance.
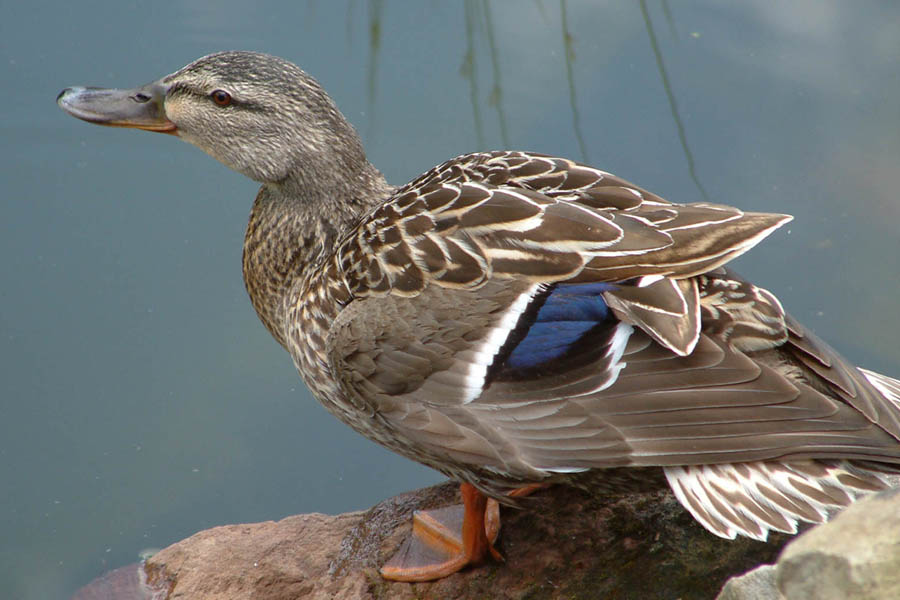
x,y
888,386
754,498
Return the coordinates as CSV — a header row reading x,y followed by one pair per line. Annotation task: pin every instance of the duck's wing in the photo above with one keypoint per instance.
x,y
545,219
532,330
512,215
458,383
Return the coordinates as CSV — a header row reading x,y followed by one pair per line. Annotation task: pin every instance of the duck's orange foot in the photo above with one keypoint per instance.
x,y
445,540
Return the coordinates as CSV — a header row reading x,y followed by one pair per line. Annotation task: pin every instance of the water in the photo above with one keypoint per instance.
x,y
141,399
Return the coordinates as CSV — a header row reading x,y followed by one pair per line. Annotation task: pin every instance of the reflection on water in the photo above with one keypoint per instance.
x,y
569,43
142,399
670,95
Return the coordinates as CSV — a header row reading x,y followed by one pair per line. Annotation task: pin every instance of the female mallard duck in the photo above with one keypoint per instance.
x,y
512,319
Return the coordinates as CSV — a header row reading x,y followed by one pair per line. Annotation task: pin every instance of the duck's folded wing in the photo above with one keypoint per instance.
x,y
456,381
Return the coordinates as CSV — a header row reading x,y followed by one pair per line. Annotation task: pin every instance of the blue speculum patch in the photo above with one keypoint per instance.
x,y
569,312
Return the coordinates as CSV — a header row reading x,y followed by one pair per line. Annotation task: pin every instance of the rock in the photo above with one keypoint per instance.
x,y
566,544
124,583
856,555
758,584
288,559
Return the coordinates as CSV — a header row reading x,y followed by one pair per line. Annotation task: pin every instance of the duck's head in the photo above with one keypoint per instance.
x,y
258,114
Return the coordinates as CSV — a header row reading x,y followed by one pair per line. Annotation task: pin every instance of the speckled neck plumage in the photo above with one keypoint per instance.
x,y
293,226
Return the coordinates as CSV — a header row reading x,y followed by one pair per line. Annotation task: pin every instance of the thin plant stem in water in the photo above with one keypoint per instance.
x,y
376,9
569,50
664,4
671,96
496,97
469,69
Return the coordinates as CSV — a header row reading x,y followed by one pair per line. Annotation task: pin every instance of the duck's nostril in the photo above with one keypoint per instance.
x,y
141,97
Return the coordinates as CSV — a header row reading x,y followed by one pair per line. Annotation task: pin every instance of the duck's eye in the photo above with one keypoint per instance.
x,y
221,97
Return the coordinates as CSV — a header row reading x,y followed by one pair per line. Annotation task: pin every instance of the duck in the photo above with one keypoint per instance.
x,y
516,320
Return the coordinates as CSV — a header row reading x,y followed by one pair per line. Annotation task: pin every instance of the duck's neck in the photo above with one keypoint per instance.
x,y
294,226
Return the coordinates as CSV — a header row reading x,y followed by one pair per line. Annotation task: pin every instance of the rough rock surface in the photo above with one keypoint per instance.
x,y
567,544
856,555
758,584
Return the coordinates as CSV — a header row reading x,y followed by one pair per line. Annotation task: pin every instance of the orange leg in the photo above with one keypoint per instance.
x,y
481,530
526,490
436,548
446,540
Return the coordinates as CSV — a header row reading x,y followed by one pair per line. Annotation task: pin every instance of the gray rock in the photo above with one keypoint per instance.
x,y
856,555
758,584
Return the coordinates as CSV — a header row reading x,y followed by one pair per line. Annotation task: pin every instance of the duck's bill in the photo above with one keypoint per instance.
x,y
140,108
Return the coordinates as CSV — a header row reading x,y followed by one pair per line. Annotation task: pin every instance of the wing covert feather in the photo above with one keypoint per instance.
x,y
519,215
